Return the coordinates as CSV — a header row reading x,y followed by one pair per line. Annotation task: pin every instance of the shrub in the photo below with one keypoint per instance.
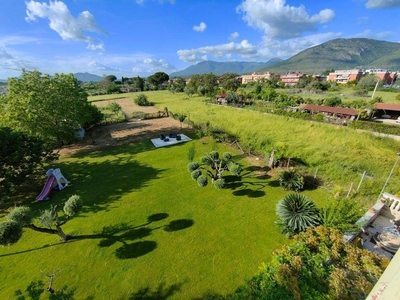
x,y
20,215
202,180
10,232
192,166
73,205
114,107
219,183
296,213
195,174
142,100
291,180
191,151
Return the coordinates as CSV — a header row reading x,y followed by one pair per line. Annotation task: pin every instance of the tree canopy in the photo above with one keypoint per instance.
x,y
158,78
50,108
318,265
214,165
20,155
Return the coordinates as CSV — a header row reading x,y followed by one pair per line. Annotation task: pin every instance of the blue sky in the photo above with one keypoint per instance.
x,y
141,37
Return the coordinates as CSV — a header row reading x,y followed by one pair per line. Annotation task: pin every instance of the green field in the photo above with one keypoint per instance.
x,y
199,240
148,230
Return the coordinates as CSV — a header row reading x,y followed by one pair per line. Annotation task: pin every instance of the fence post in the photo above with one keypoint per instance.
x,y
362,178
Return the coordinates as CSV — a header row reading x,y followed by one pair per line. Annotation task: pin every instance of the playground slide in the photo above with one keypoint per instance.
x,y
47,188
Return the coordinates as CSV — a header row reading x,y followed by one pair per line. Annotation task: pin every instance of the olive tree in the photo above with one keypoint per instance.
x,y
49,221
213,166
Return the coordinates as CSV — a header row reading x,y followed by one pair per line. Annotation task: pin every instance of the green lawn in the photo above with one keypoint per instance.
x,y
148,230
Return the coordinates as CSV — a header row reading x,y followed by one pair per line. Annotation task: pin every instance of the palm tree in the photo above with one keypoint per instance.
x,y
296,213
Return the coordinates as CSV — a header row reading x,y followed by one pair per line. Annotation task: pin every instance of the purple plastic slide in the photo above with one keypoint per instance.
x,y
47,188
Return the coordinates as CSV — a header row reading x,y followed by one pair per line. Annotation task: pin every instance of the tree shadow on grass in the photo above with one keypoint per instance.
x,y
127,235
178,225
36,288
101,183
250,183
311,183
135,249
162,292
249,193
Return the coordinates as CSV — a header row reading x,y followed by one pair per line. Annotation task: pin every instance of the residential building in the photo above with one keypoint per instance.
x,y
344,76
255,77
385,76
291,78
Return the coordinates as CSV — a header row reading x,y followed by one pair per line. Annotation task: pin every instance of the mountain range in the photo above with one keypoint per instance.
x,y
336,54
86,77
219,68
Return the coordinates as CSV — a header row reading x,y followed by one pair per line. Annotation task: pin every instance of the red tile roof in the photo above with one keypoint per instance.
x,y
387,106
330,109
222,95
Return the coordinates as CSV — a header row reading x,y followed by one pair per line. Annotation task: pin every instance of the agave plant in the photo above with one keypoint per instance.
x,y
296,213
291,180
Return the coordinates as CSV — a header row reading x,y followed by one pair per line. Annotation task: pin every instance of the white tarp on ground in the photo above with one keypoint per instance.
x,y
158,143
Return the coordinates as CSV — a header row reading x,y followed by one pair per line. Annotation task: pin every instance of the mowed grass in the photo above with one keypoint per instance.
x,y
147,229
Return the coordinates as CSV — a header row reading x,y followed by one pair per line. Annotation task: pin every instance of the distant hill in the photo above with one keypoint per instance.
x,y
342,54
219,68
86,77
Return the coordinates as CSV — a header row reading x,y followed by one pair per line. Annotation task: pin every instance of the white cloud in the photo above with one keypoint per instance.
x,y
94,65
233,36
61,21
161,1
160,65
374,35
285,49
243,49
11,62
4,54
279,20
382,3
96,47
362,20
267,49
200,28
17,40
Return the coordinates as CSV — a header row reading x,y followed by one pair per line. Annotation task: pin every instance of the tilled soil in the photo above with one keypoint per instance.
x,y
126,132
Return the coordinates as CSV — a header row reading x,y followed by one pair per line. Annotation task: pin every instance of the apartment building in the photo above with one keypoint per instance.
x,y
344,76
255,77
291,78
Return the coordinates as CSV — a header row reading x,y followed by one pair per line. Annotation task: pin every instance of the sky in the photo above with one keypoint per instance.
x,y
140,37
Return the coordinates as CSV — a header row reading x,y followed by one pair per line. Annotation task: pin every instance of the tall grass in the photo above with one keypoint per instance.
x,y
340,154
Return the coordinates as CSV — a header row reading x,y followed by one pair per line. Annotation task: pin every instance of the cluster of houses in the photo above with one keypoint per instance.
x,y
339,76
